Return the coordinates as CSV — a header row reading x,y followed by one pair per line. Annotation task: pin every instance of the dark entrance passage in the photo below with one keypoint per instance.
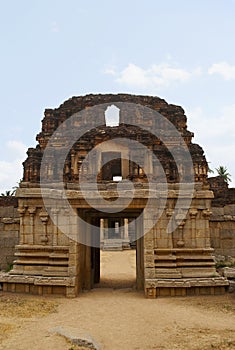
x,y
111,166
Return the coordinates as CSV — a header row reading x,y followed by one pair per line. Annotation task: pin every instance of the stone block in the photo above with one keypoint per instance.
x,y
77,337
229,210
228,272
231,286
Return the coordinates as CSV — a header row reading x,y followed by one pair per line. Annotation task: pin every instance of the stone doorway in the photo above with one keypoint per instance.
x,y
100,256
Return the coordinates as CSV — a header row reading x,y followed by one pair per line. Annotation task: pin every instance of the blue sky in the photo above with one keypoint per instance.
x,y
182,51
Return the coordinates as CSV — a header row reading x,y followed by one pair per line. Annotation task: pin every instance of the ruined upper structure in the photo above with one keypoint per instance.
x,y
62,222
223,195
72,167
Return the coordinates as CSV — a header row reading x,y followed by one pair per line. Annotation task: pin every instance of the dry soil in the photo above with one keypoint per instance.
x,y
118,317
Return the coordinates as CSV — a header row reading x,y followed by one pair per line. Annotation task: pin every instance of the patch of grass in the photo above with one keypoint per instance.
x,y
227,307
222,264
9,267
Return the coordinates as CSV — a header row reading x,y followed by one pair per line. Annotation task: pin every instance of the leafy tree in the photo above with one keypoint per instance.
x,y
223,172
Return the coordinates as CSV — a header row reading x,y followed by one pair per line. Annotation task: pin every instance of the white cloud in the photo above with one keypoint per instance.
x,y
15,149
55,27
158,75
12,169
110,71
216,135
226,70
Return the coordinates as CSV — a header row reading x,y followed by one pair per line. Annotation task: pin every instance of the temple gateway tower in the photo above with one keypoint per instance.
x,y
132,178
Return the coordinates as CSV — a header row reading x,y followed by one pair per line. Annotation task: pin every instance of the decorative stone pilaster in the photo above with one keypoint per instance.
x,y
21,211
193,214
44,218
101,229
126,234
32,211
206,214
73,166
169,213
180,220
55,213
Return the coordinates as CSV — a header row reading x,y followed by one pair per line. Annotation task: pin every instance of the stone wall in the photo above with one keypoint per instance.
x,y
222,229
8,201
9,233
222,221
223,195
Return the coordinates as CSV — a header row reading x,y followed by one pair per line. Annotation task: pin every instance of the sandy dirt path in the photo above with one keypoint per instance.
x,y
123,318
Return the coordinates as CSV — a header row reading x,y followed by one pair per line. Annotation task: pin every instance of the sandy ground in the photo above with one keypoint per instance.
x,y
118,317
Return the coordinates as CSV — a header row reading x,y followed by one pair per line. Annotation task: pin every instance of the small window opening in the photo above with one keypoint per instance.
x,y
112,116
117,178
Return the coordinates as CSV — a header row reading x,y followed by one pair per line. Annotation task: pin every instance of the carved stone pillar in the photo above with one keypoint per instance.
x,y
126,233
32,211
169,214
21,211
206,214
180,220
55,213
93,163
73,166
44,218
101,229
193,213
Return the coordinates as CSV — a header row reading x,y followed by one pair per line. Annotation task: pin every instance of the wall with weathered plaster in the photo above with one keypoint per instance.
x,y
9,235
222,230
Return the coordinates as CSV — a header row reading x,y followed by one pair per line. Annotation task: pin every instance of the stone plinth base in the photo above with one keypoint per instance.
x,y
185,287
38,285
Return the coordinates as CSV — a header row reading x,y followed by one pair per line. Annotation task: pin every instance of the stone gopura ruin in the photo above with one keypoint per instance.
x,y
189,218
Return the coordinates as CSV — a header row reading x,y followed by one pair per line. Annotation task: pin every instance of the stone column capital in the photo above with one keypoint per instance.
x,y
44,216
193,213
32,211
206,213
21,210
169,212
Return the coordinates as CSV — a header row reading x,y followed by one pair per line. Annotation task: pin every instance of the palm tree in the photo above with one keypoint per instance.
x,y
223,172
209,169
7,194
12,192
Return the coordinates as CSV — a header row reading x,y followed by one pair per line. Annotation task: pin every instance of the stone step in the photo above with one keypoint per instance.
x,y
112,244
